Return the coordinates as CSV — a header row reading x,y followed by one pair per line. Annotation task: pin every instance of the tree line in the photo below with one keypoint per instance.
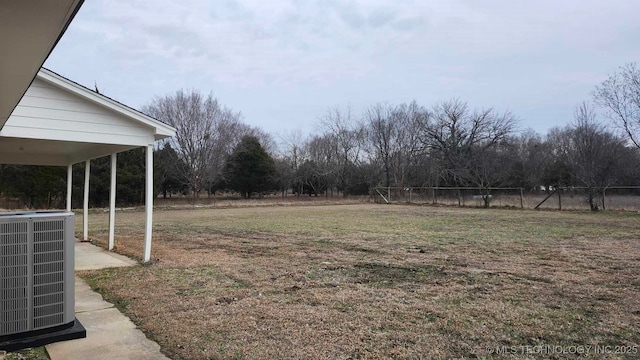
x,y
447,144
44,187
453,145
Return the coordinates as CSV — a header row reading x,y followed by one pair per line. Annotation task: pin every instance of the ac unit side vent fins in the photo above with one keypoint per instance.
x,y
48,299
47,321
36,271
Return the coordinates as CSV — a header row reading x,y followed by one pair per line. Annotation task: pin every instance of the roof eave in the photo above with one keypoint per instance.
x,y
29,30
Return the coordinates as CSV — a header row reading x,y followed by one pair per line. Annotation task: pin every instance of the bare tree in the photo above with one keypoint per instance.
x,y
348,137
592,153
198,121
412,164
488,167
225,138
531,155
394,140
317,172
293,154
620,95
459,138
384,132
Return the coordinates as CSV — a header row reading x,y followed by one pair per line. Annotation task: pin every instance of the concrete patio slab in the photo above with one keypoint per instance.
x,y
91,257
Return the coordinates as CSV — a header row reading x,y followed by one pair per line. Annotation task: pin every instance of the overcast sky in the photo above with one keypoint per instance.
x,y
284,63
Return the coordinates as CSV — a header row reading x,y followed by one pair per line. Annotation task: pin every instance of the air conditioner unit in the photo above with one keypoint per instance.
x,y
37,279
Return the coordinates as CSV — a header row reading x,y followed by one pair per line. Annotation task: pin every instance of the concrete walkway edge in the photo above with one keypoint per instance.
x,y
110,334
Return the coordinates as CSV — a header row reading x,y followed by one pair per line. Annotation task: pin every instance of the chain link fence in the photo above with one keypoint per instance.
x,y
561,198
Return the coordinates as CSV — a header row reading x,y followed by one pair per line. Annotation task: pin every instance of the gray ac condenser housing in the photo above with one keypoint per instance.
x,y
36,271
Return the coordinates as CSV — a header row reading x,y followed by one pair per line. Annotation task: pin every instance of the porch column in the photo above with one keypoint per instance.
x,y
69,185
112,202
85,207
148,197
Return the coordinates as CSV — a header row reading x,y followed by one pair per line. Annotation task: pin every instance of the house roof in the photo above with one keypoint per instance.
x,y
60,122
30,30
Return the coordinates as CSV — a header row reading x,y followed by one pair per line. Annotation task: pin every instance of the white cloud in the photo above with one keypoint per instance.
x,y
512,53
253,42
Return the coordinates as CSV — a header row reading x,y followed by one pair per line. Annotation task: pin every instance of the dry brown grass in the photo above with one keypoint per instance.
x,y
272,200
376,281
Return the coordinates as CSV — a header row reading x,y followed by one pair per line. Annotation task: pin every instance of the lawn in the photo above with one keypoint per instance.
x,y
377,281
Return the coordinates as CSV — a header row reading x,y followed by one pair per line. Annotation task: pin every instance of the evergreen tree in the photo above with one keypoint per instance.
x,y
250,168
130,180
34,186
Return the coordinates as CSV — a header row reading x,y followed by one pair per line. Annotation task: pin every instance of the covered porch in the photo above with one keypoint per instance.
x,y
61,123
46,119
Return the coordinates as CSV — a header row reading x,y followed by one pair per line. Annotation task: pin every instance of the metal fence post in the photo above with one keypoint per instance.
x,y
559,199
521,198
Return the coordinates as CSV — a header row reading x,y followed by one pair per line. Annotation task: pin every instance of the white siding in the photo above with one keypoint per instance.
x,y
52,113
